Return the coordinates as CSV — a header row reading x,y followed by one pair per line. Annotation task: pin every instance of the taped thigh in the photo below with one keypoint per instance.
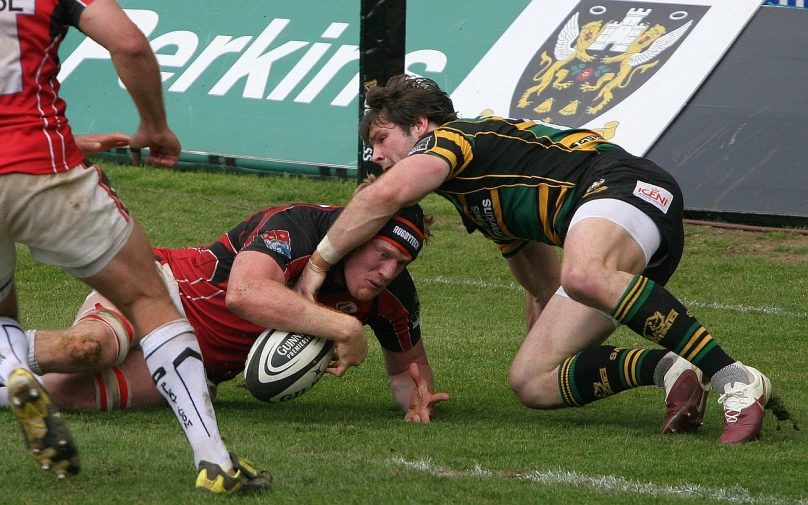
x,y
112,390
114,320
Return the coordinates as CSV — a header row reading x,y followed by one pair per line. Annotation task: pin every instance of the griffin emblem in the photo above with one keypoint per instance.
x,y
565,52
635,59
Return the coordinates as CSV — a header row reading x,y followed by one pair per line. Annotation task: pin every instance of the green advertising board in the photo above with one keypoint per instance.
x,y
270,85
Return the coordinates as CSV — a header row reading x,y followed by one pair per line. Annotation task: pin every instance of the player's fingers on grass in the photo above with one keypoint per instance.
x,y
338,370
440,397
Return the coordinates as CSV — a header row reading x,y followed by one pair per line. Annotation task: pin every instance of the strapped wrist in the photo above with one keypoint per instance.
x,y
327,252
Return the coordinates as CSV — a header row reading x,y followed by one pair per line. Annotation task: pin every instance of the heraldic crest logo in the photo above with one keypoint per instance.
x,y
600,55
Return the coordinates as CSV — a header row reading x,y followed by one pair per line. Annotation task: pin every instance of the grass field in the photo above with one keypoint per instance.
x,y
345,442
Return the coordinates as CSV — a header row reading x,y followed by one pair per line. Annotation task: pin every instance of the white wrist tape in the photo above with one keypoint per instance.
x,y
328,252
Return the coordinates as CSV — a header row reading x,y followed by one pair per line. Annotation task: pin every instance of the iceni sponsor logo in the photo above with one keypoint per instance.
x,y
316,64
659,197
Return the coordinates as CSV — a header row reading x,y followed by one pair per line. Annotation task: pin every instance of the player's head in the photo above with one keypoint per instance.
x,y
372,266
406,231
395,115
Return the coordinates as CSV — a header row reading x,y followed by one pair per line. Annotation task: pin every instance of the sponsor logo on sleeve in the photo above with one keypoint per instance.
x,y
422,145
278,241
415,315
659,197
589,138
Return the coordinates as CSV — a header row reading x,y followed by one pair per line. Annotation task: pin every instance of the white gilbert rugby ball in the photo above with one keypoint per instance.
x,y
283,365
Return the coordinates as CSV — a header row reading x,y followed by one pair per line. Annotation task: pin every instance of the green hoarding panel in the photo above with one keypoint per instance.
x,y
270,85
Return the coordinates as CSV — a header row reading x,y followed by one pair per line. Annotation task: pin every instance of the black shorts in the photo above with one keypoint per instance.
x,y
621,176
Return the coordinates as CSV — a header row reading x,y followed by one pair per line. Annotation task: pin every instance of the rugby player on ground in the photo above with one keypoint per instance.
x,y
234,288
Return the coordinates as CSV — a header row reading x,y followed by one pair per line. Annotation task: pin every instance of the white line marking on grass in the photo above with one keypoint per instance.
x,y
771,311
476,284
604,483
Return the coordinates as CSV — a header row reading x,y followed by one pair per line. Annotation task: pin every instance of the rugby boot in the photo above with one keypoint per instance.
x,y
685,397
213,479
46,434
744,408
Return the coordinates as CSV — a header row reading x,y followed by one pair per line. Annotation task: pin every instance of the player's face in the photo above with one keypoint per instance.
x,y
390,142
371,267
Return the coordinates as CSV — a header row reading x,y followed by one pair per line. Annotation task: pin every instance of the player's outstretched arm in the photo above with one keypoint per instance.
x,y
412,384
106,23
94,143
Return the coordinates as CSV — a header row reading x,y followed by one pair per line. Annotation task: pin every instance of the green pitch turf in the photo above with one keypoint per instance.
x,y
345,441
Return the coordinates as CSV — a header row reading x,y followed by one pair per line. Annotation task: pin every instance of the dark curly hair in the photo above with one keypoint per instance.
x,y
404,98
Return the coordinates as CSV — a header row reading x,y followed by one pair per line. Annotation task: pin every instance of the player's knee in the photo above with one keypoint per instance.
x,y
530,388
581,284
105,336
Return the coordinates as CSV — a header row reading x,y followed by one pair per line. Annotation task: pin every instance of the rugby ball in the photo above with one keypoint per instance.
x,y
283,365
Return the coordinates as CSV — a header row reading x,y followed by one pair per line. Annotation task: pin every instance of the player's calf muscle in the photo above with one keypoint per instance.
x,y
83,348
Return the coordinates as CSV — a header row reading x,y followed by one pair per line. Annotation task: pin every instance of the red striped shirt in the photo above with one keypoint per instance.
x,y
35,137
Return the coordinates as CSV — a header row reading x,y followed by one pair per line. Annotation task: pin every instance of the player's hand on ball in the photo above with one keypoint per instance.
x,y
351,352
422,401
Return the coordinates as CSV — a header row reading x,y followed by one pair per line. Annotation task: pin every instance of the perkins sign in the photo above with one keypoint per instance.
x,y
279,81
266,80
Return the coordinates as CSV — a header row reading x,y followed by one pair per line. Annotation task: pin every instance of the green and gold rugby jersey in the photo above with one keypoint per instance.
x,y
512,179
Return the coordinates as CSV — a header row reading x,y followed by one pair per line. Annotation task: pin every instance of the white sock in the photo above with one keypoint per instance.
x,y
13,348
3,397
175,362
33,364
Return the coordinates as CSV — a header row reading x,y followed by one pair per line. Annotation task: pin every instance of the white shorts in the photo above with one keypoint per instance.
x,y
72,220
641,227
626,216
